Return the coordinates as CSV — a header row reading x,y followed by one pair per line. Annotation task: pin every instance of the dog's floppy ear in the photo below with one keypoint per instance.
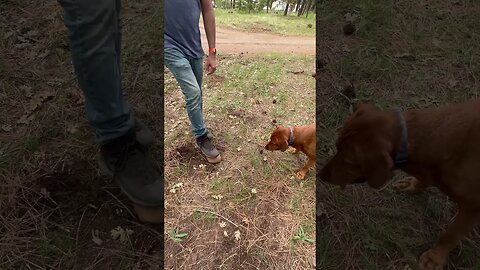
x,y
282,140
377,165
284,145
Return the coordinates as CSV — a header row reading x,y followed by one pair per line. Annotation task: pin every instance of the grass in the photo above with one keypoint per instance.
x,y
403,54
52,196
267,22
246,211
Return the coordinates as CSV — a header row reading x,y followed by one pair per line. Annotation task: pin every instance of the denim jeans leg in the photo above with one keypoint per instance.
x,y
197,66
182,70
94,35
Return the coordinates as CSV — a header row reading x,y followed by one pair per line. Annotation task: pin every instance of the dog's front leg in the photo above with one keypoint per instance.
x,y
301,174
436,258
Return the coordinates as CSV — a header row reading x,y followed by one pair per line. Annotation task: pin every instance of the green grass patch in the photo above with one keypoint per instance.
x,y
267,22
197,215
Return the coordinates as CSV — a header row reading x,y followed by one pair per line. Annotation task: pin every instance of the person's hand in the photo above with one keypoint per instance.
x,y
211,64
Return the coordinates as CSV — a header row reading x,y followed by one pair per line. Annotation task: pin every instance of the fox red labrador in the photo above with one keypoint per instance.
x,y
438,146
301,138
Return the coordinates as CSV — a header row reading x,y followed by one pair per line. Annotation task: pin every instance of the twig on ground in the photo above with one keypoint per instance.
x,y
120,202
218,215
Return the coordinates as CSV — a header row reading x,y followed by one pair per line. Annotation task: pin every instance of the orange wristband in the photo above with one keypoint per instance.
x,y
212,50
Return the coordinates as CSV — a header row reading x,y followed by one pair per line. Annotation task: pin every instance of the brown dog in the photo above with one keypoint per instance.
x,y
438,146
301,138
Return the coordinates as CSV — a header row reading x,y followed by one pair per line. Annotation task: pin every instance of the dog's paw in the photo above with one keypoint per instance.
x,y
300,175
432,260
407,184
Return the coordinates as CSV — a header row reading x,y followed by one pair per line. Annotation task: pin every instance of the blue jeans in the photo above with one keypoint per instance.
x,y
188,72
95,39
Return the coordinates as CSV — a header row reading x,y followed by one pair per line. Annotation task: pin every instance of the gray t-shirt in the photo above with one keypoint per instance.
x,y
181,20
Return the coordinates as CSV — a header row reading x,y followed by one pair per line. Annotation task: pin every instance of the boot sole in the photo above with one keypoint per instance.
x,y
214,160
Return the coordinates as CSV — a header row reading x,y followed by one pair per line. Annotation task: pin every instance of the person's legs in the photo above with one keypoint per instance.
x,y
94,34
197,67
189,78
181,69
95,39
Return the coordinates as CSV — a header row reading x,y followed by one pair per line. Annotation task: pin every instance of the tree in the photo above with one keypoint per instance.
x,y
286,9
290,5
297,5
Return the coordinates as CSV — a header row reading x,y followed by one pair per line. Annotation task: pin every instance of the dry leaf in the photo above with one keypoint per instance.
x,y
27,90
178,185
217,197
72,128
452,83
254,190
7,128
225,233
95,238
223,224
121,234
236,234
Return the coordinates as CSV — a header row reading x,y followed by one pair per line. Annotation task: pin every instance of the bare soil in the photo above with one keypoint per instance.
x,y
230,41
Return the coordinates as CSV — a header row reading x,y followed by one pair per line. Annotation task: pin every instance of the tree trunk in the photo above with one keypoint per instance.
x,y
286,9
300,10
268,3
310,7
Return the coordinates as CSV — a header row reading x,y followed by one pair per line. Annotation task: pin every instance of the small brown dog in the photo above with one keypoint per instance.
x,y
438,147
301,138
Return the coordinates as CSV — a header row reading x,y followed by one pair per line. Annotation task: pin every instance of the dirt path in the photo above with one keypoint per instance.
x,y
235,41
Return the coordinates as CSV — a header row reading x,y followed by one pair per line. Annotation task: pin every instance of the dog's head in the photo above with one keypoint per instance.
x,y
364,149
278,139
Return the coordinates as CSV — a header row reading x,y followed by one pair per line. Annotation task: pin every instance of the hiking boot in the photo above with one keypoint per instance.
x,y
125,159
143,134
207,148
209,135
